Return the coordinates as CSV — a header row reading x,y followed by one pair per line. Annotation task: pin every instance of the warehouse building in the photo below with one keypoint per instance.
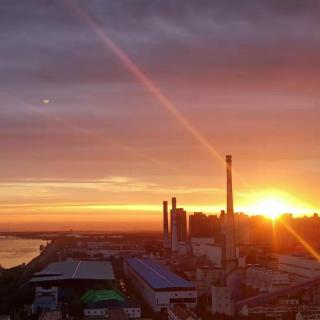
x,y
159,287
72,273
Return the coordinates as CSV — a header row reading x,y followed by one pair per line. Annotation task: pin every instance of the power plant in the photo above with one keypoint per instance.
x,y
223,291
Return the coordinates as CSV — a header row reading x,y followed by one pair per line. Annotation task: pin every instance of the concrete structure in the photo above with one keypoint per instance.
x,y
166,242
209,274
182,248
300,267
180,312
158,286
205,276
306,292
283,311
198,245
222,301
206,247
46,299
266,280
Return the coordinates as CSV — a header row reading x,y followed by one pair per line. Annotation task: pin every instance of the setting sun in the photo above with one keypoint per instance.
x,y
274,203
271,207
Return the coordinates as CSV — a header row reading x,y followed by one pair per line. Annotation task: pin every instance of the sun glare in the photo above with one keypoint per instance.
x,y
271,207
274,203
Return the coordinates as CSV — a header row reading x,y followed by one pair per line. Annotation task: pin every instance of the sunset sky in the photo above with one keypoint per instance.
x,y
85,144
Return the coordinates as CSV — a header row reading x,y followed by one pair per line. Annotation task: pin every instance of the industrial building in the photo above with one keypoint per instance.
x,y
159,287
46,299
300,267
102,304
266,280
67,272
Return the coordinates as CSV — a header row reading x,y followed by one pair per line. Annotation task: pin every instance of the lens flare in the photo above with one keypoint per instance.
x,y
165,102
304,243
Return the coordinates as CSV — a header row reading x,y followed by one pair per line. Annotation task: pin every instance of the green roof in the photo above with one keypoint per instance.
x,y
101,295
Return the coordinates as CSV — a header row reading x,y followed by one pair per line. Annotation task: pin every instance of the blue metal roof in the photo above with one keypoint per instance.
x,y
157,276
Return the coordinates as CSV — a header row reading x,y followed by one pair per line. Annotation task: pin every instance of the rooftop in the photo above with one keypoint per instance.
x,y
101,295
79,270
157,276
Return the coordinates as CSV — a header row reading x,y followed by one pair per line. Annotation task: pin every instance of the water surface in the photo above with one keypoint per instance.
x,y
15,251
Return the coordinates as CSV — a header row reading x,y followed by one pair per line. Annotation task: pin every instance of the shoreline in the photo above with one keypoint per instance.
x,y
18,251
51,235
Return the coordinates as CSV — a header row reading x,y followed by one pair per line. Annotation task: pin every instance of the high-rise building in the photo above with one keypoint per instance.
x,y
204,226
181,216
261,231
242,229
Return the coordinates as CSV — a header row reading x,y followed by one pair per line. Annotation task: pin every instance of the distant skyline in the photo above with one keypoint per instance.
x,y
84,143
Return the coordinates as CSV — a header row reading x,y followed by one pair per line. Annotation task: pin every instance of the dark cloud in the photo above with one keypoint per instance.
x,y
47,41
198,52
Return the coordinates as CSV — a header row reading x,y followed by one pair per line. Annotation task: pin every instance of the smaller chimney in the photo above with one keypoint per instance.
x,y
166,244
174,227
174,232
174,204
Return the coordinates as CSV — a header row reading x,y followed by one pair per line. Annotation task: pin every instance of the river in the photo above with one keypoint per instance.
x,y
15,251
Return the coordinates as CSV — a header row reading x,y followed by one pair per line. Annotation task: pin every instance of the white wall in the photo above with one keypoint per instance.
x,y
133,312
221,301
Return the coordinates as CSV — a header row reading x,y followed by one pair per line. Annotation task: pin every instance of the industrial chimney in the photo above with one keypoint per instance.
x,y
230,283
174,227
231,262
174,204
166,243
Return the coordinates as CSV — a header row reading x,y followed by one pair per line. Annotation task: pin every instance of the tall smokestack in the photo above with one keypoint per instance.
x,y
166,243
174,233
174,227
174,204
231,262
223,236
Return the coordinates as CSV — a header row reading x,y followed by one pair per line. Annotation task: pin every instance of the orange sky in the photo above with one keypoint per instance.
x,y
95,134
